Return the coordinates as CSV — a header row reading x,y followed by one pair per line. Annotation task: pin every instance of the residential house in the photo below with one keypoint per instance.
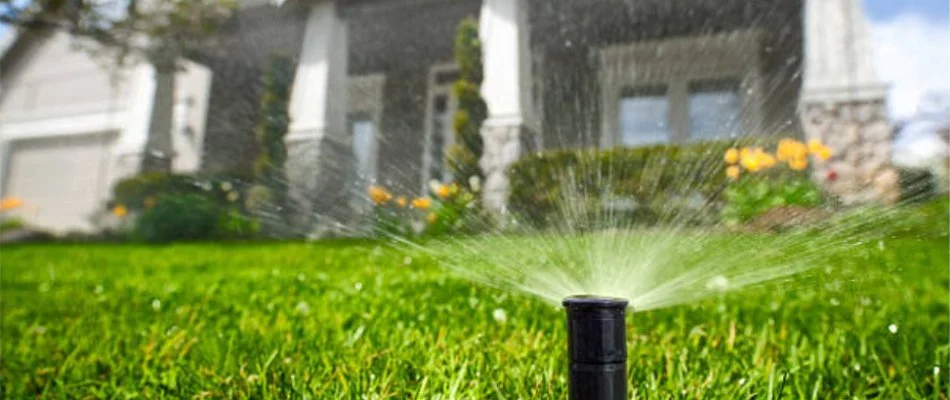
x,y
372,99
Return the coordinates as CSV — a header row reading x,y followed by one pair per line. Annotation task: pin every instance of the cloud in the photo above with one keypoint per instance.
x,y
912,54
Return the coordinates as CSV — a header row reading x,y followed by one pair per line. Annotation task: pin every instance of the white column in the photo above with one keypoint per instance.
x,y
319,150
506,88
843,103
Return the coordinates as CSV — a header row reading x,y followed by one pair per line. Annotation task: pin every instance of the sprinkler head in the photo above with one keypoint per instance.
x,y
596,347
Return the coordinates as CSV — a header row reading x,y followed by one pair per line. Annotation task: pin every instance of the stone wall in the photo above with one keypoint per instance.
x,y
859,134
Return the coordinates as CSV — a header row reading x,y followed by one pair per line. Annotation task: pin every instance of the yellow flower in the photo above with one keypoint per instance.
x,y
422,203
443,191
768,161
744,154
431,218
379,195
732,156
10,203
120,211
798,163
814,146
733,172
789,149
751,160
401,201
823,153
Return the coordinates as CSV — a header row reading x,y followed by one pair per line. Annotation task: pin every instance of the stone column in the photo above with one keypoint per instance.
x,y
320,159
843,104
506,88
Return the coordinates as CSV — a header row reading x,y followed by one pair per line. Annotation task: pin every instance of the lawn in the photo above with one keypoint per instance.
x,y
359,320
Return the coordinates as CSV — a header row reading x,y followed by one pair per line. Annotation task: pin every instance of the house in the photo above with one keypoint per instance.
x,y
372,99
70,127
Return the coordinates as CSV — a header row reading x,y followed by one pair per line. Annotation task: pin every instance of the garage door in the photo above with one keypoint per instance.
x,y
62,181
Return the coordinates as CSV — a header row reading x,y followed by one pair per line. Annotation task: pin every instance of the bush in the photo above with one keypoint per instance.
x,y
268,202
11,224
191,217
141,191
622,186
178,218
472,110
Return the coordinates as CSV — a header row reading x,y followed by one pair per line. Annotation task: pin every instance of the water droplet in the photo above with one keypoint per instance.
x,y
892,328
718,282
156,304
499,315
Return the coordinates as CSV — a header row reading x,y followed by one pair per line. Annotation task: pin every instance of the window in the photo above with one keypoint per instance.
x,y
714,109
364,147
439,138
644,116
439,134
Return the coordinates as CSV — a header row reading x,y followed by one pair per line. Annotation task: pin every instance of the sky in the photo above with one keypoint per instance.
x,y
911,49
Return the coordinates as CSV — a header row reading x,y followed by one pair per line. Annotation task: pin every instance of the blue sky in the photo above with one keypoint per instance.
x,y
936,10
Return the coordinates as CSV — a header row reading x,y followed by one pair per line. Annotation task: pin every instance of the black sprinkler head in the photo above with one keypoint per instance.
x,y
596,348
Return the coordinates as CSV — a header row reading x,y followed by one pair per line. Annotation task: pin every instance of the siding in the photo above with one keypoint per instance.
x,y
55,79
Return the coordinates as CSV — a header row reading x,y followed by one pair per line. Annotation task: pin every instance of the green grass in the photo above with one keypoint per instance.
x,y
343,320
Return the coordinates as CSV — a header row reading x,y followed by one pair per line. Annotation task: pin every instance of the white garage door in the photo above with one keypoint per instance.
x,y
62,180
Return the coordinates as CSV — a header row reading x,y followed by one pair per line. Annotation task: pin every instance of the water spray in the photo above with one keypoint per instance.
x,y
596,348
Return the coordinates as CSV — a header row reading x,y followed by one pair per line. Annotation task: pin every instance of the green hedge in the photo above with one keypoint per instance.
x,y
621,186
223,189
179,207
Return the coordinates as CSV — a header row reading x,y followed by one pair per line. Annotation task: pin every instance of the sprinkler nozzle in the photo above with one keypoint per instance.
x,y
596,348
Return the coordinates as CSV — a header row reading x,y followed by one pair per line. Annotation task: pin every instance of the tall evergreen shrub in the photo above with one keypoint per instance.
x,y
472,111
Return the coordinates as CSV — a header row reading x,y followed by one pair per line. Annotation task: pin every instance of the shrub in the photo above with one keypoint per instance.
x,y
269,200
621,186
141,191
178,218
467,122
11,224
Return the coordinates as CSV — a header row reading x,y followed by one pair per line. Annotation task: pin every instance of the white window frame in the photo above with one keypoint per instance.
x,y
674,63
435,89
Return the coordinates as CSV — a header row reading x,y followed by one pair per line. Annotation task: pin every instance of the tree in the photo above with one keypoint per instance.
x,y
159,32
472,111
